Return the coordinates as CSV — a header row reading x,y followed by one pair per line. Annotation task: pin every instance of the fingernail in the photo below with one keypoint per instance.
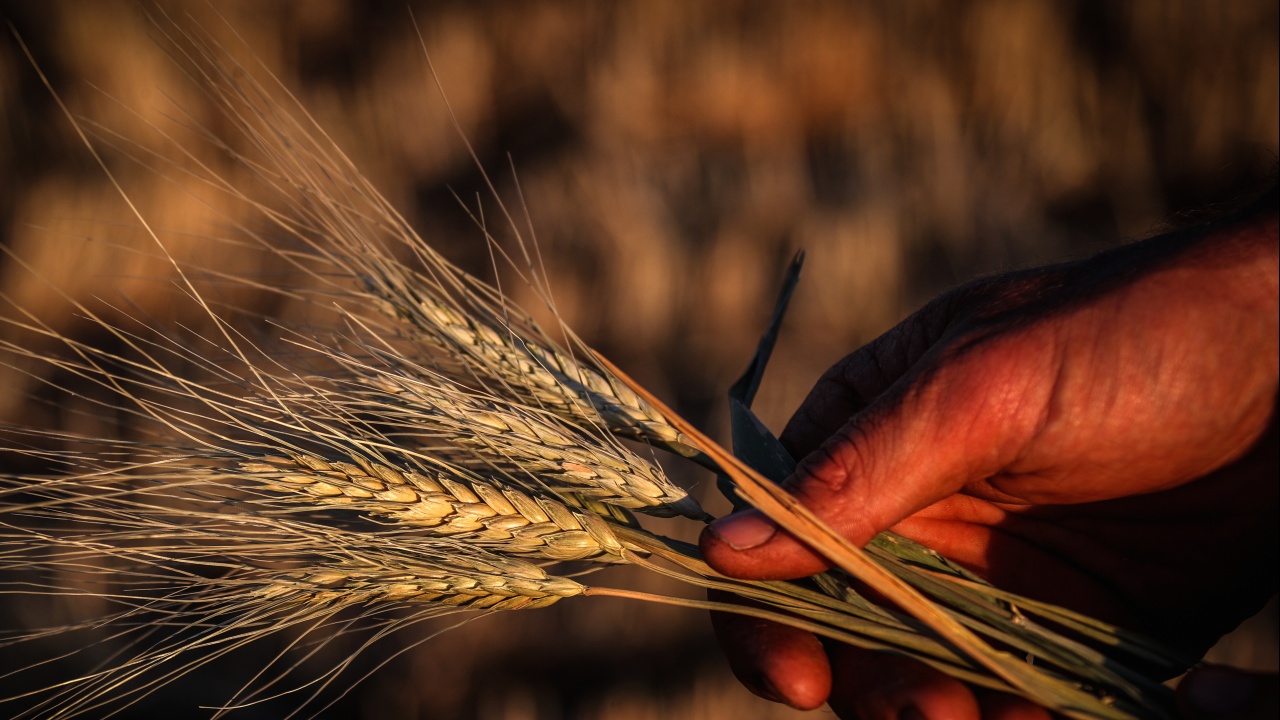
x,y
910,712
744,531
1216,691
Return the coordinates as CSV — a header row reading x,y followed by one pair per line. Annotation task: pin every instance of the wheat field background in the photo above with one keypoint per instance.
x,y
671,157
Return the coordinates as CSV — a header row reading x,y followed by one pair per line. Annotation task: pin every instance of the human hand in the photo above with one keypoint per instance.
x,y
1101,435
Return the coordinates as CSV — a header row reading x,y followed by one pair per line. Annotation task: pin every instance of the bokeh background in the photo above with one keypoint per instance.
x,y
671,157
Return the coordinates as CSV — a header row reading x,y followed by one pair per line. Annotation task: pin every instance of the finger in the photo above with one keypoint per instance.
x,y
959,418
1045,558
776,662
877,686
1213,691
1003,706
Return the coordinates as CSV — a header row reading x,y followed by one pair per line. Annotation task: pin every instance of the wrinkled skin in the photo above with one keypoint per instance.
x,y
1100,434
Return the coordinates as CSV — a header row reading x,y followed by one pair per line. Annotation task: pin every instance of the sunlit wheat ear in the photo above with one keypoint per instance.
x,y
541,374
497,584
560,457
483,513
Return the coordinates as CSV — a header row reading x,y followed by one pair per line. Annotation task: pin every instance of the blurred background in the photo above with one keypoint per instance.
x,y
671,156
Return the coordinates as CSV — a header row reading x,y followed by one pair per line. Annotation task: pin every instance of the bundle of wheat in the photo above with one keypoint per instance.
x,y
418,456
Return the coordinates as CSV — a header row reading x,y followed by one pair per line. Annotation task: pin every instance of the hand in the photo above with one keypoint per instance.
x,y
1100,434
1217,692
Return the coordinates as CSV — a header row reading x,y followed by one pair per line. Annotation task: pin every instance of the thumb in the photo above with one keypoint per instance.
x,y
958,418
1214,691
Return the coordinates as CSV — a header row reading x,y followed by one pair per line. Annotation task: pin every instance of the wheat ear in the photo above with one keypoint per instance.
x,y
484,513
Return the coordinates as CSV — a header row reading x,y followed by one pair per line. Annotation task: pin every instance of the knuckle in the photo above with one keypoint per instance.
x,y
827,471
